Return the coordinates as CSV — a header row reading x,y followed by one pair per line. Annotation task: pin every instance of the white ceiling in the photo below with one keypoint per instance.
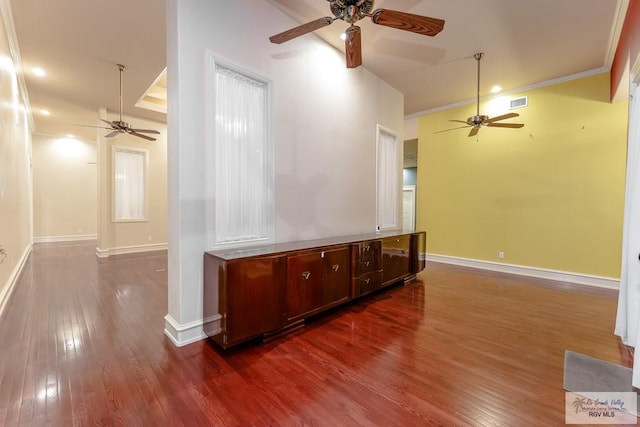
x,y
79,43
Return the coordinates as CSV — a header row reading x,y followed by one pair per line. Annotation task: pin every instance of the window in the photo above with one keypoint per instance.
x,y
388,179
240,143
129,184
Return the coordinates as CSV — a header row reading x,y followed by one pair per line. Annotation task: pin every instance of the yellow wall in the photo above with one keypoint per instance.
x,y
549,195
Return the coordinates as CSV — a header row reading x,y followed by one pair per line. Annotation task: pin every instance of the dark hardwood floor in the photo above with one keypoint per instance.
x,y
83,344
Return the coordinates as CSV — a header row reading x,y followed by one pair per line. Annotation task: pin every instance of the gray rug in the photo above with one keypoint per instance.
x,y
584,373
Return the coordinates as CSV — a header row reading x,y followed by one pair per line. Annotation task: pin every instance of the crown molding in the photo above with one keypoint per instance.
x,y
521,89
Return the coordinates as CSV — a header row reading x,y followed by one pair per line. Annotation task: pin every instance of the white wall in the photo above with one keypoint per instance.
x,y
325,119
15,155
64,189
411,128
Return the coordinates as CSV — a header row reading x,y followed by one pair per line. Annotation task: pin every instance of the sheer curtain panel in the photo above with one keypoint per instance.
x,y
243,166
629,295
129,184
388,173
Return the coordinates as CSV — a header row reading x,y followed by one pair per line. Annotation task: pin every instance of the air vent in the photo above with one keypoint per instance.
x,y
518,103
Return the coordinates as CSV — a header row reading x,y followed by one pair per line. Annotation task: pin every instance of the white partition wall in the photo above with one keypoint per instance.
x,y
324,121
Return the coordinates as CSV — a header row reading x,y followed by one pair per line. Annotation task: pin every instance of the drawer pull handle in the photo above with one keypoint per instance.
x,y
366,281
306,275
366,263
366,248
335,267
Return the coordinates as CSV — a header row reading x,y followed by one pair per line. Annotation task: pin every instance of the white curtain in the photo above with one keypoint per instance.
x,y
629,296
243,177
129,194
387,179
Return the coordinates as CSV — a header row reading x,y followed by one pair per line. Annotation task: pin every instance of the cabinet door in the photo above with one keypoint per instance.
x,y
254,298
418,252
335,276
304,283
396,258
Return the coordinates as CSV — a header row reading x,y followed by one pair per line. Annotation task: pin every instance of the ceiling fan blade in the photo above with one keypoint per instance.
x,y
109,123
458,121
96,127
408,21
145,131
139,135
474,131
505,125
300,30
502,117
112,134
447,130
353,46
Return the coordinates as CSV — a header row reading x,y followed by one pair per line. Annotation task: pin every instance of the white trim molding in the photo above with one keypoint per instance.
x,y
183,334
58,239
518,90
125,250
7,290
616,30
540,273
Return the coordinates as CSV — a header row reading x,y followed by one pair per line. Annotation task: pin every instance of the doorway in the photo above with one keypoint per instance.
x,y
409,181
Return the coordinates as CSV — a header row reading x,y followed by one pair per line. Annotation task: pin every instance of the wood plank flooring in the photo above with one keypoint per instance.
x,y
83,344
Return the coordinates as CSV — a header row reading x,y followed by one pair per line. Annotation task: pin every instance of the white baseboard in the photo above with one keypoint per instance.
x,y
57,239
540,273
125,250
7,290
183,334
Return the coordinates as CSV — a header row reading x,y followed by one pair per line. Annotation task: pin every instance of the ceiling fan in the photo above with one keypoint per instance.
x,y
351,11
120,126
477,121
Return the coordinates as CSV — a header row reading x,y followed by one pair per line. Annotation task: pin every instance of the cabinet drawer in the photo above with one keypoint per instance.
x,y
368,250
367,266
368,282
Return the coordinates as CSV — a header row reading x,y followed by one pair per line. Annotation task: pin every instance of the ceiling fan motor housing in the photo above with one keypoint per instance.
x,y
477,120
120,124
351,10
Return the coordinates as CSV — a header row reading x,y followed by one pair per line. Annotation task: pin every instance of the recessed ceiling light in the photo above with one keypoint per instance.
x,y
343,36
70,135
39,72
45,112
496,89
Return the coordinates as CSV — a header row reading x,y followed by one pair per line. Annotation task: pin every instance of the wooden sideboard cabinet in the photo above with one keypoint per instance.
x,y
266,290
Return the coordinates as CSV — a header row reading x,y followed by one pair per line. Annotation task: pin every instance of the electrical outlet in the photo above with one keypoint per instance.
x,y
501,255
